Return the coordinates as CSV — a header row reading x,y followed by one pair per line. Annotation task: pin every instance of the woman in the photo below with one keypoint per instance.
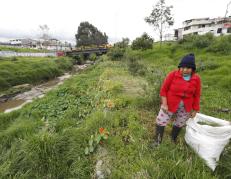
x,y
180,95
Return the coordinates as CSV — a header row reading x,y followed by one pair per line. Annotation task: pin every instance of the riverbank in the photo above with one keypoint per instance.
x,y
100,123
31,70
20,95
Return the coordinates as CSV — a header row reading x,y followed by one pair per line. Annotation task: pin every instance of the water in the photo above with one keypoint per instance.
x,y
10,104
39,91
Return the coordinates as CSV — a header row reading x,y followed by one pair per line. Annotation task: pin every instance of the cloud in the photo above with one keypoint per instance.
x,y
117,18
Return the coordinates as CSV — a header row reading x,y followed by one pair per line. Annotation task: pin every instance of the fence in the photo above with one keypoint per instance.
x,y
26,54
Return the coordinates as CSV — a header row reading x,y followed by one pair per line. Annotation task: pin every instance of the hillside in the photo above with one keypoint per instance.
x,y
58,136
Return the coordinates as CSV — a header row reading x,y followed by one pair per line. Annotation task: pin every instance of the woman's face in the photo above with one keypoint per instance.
x,y
186,71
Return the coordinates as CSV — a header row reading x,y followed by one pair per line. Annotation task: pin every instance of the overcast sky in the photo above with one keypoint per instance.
x,y
117,18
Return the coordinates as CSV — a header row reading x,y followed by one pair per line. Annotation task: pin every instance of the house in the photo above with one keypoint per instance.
x,y
27,42
200,26
48,44
53,44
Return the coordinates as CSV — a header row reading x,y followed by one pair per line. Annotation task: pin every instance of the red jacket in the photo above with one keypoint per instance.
x,y
175,88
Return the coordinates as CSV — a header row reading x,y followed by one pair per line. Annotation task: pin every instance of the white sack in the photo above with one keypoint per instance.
x,y
206,140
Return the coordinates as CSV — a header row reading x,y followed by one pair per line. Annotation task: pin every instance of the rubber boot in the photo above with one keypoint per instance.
x,y
175,133
158,136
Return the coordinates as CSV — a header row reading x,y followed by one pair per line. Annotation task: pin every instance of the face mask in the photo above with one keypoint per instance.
x,y
186,77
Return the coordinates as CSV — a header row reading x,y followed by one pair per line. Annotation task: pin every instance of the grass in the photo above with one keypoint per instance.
x,y
19,49
47,138
32,70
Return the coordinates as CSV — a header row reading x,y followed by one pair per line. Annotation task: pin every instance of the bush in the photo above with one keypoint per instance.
x,y
79,59
144,42
116,53
93,57
197,41
221,45
203,41
123,44
206,65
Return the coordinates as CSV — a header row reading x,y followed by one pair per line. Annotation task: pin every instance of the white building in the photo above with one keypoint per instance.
x,y
49,44
200,26
27,42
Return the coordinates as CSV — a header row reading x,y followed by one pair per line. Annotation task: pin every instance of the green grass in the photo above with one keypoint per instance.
x,y
47,138
213,70
32,70
15,49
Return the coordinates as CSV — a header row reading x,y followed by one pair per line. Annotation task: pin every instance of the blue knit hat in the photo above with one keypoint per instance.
x,y
188,61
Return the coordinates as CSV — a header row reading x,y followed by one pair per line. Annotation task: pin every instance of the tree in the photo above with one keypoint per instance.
x,y
160,17
88,34
45,31
123,44
144,42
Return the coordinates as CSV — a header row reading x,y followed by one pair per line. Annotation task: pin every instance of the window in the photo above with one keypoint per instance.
x,y
219,30
187,28
176,33
201,26
229,30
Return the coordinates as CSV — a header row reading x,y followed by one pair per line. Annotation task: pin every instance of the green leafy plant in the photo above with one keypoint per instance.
x,y
95,140
116,53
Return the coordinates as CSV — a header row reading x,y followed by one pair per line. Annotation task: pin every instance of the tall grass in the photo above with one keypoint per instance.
x,y
31,70
215,75
19,49
47,138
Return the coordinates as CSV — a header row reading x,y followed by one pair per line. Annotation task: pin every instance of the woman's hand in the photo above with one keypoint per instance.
x,y
164,105
193,114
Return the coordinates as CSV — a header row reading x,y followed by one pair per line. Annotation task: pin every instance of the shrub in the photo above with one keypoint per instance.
x,y
116,53
93,57
221,45
144,42
206,65
203,40
79,59
123,44
197,41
